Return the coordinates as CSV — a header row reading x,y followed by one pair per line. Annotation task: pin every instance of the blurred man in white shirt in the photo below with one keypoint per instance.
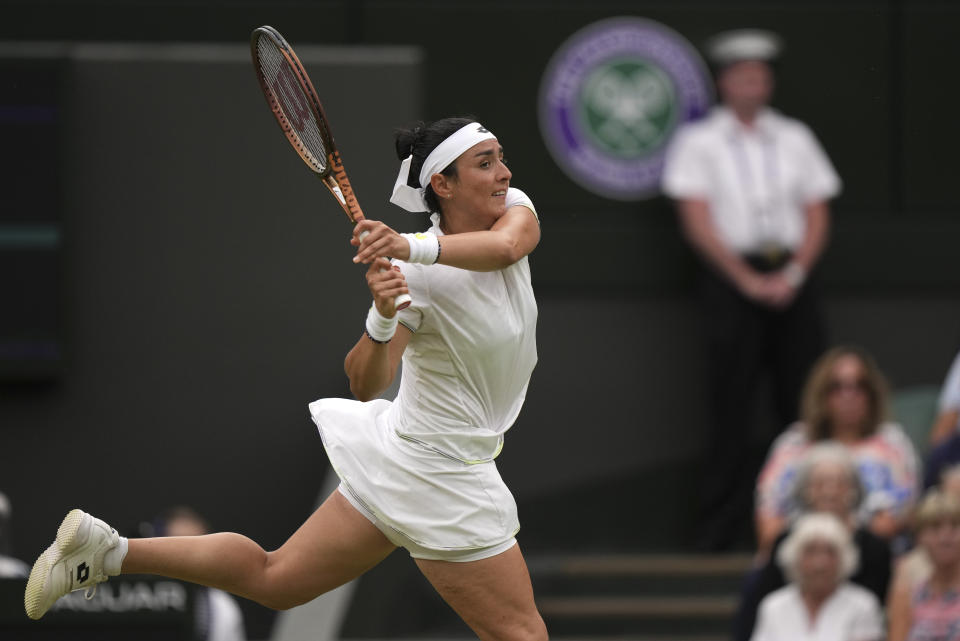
x,y
752,190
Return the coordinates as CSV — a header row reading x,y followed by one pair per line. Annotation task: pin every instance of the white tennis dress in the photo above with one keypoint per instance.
x,y
423,464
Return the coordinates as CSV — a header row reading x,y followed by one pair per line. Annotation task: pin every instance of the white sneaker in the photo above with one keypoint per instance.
x,y
73,562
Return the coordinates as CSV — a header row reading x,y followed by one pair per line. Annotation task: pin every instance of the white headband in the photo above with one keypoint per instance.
x,y
412,198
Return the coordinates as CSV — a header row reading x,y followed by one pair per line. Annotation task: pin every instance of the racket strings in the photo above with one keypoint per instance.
x,y
293,102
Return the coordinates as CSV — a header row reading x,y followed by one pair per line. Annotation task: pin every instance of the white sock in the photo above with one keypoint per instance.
x,y
113,559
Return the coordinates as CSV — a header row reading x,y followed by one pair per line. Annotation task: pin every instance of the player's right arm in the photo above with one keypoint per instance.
x,y
370,365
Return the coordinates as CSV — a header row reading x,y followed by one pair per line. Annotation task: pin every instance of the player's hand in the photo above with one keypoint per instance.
x,y
386,282
379,241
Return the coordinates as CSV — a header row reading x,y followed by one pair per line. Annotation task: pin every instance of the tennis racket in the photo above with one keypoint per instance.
x,y
297,108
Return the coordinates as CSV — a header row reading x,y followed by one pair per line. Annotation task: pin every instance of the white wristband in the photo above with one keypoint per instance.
x,y
424,248
380,328
795,274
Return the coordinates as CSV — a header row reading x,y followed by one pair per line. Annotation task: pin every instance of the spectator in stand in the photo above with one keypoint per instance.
x,y
819,602
218,616
915,567
945,434
752,189
827,481
948,417
845,401
950,480
10,567
931,610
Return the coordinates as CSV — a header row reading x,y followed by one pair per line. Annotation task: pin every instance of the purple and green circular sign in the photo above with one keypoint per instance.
x,y
611,98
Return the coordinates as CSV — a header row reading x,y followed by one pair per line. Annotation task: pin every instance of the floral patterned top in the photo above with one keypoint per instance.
x,y
886,459
935,617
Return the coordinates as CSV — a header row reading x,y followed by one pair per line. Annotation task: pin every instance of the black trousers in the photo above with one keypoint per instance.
x,y
746,342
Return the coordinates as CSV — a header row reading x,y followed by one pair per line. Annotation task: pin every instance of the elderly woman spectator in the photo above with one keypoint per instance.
x,y
819,602
844,401
930,608
827,481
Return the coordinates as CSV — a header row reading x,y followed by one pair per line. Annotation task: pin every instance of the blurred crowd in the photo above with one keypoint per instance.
x,y
852,541
856,521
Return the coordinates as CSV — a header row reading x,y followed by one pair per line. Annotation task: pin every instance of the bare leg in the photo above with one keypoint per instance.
x,y
493,596
336,544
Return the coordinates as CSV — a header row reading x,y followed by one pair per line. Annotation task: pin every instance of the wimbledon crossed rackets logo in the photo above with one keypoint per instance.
x,y
611,98
627,107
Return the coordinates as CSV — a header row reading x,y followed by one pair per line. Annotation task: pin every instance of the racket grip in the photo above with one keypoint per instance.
x,y
403,300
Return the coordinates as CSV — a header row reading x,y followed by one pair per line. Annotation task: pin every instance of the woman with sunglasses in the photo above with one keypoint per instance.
x,y
845,401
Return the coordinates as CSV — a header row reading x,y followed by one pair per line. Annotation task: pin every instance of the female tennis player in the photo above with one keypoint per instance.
x,y
418,472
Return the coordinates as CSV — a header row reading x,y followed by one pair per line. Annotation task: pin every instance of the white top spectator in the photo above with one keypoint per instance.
x,y
10,568
852,613
757,180
226,618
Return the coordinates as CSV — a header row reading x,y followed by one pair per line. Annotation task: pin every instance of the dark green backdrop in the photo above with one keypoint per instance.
x,y
199,315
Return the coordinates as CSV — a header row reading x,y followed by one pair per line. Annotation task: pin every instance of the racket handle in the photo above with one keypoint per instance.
x,y
403,300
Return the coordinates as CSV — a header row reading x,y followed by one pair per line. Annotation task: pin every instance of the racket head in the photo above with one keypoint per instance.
x,y
291,97
295,104
297,108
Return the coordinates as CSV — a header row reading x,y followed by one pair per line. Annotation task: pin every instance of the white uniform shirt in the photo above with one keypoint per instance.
x,y
852,613
468,363
756,181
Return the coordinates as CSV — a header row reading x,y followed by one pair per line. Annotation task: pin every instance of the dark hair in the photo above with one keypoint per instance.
x,y
420,140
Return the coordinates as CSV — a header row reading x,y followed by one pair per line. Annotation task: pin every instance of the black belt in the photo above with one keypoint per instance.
x,y
770,259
